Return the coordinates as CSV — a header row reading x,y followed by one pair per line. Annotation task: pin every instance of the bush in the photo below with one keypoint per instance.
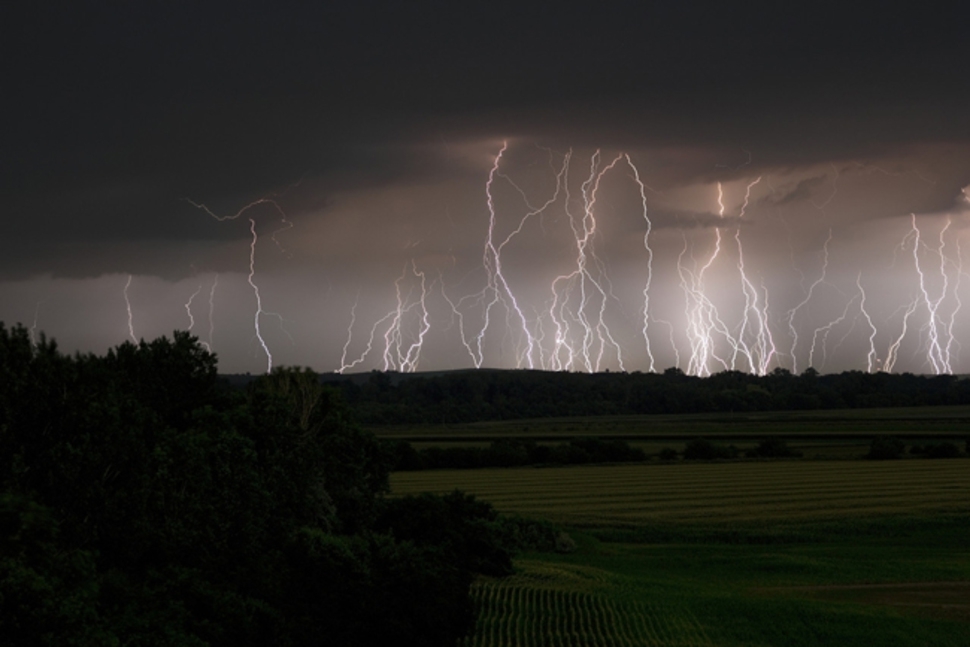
x,y
467,531
773,448
564,543
886,448
702,449
942,450
668,454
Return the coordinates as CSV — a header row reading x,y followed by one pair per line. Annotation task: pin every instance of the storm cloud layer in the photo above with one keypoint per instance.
x,y
799,173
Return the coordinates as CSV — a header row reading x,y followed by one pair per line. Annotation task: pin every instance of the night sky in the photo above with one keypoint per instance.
x,y
746,185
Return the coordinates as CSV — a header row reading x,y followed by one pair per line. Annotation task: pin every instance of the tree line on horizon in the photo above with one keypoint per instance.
x,y
482,395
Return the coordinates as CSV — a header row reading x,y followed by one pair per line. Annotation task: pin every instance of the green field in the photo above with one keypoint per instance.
x,y
817,434
768,491
916,422
739,553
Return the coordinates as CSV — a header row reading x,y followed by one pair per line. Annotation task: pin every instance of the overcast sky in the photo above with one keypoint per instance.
x,y
631,186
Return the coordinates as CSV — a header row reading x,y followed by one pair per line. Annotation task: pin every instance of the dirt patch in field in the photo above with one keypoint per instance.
x,y
949,600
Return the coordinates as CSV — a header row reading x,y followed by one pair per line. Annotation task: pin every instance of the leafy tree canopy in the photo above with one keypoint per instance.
x,y
144,503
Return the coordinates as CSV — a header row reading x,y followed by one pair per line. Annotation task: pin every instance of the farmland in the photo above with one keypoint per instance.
x,y
949,421
771,491
803,552
818,434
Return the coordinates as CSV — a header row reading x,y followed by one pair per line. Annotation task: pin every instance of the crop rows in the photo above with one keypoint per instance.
x,y
555,606
724,492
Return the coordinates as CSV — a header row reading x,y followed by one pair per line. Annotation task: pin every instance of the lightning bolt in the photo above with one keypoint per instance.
x,y
259,301
272,203
935,354
406,361
212,309
871,357
808,297
131,327
893,352
350,332
497,285
951,337
579,323
649,251
705,325
188,307
33,326
759,358
398,354
824,331
596,334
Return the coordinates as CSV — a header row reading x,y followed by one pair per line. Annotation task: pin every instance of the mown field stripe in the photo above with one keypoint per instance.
x,y
724,491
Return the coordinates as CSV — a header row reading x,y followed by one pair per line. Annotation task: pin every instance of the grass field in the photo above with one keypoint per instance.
x,y
779,553
917,422
817,434
770,491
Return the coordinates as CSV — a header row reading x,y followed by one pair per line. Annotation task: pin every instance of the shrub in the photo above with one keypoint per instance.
x,y
565,543
773,448
702,449
886,448
668,454
942,450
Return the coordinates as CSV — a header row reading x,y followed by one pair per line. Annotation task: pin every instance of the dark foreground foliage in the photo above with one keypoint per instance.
x,y
141,503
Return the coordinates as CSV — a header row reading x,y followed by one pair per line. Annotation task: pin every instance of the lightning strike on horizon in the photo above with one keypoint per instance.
x,y
893,352
456,312
760,356
287,224
259,302
935,353
398,354
581,324
872,358
406,362
370,344
699,313
497,286
350,332
33,326
212,310
808,297
705,324
824,332
131,327
584,234
649,251
951,336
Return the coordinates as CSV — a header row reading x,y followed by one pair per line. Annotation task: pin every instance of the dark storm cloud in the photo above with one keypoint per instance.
x,y
246,99
374,126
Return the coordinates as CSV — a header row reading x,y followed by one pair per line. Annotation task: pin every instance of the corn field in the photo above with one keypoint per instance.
x,y
568,606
